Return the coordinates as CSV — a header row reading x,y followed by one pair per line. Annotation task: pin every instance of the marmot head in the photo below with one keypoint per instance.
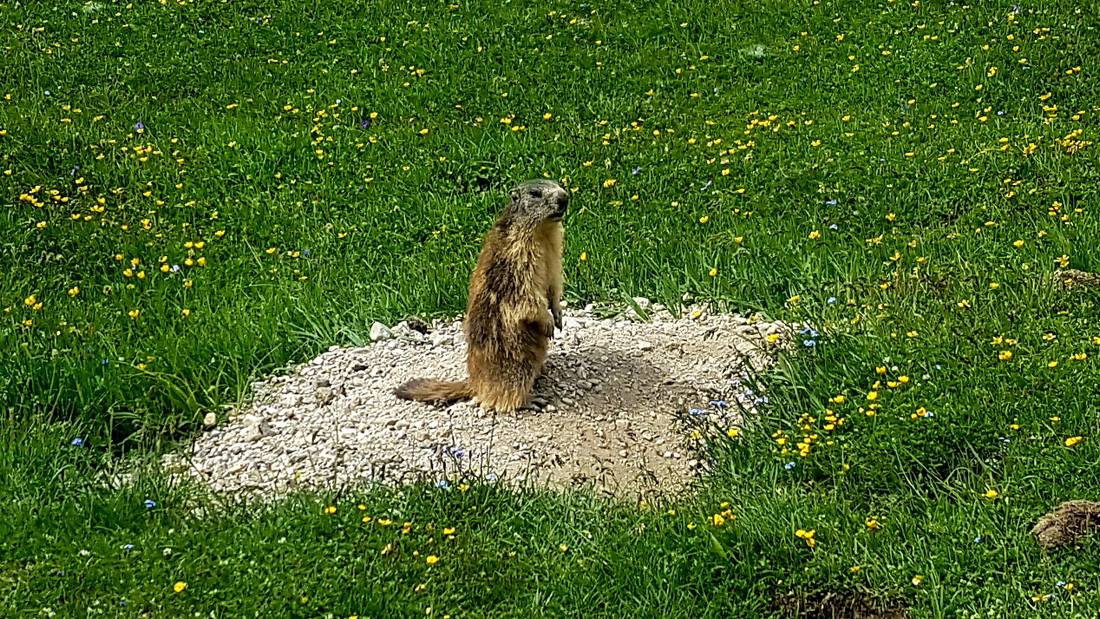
x,y
533,202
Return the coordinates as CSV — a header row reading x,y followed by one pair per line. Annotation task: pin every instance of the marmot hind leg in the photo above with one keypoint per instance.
x,y
504,398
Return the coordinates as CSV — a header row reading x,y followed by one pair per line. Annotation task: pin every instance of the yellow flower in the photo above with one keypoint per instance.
x,y
917,580
1073,440
547,116
717,520
733,432
584,256
330,509
773,338
1005,355
609,183
872,395
872,524
713,272
424,132
185,312
563,548
807,536
704,219
1018,243
816,234
794,299
179,586
134,313
991,494
75,290
30,301
855,569
448,531
431,560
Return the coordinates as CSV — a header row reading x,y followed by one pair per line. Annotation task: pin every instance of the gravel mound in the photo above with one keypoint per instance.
x,y
619,408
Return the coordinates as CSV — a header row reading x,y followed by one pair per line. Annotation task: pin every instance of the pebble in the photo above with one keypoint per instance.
x,y
379,331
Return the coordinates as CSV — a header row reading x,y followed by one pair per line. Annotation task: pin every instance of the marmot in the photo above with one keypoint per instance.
x,y
514,304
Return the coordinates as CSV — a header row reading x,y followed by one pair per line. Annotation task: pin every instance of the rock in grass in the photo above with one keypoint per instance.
x,y
1067,523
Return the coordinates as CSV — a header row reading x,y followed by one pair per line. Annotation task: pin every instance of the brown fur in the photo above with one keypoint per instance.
x,y
513,307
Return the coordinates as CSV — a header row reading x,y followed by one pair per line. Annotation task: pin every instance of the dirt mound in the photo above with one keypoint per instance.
x,y
840,605
1067,523
610,411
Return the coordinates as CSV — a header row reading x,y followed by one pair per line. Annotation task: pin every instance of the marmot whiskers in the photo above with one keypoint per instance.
x,y
514,304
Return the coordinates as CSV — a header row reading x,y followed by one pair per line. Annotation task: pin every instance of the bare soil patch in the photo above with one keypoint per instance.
x,y
618,409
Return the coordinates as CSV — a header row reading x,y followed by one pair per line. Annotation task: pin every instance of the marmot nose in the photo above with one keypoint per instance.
x,y
562,200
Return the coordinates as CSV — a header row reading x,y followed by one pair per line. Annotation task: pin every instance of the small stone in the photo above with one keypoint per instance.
x,y
644,345
379,331
210,420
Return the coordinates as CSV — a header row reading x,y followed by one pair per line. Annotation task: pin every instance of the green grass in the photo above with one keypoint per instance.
x,y
848,172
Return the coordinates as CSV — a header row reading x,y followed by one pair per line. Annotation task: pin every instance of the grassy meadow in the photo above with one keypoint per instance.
x,y
195,193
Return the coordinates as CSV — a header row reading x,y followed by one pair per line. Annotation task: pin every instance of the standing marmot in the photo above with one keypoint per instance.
x,y
514,304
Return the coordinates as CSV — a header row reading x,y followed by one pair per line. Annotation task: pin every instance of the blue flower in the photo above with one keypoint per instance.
x,y
978,540
809,343
834,227
457,452
491,476
128,547
830,202
720,404
150,503
831,300
443,483
707,186
77,442
365,124
789,465
1060,584
105,362
634,171
697,412
139,127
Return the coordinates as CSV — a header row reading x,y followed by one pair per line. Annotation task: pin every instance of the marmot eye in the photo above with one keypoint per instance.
x,y
536,193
